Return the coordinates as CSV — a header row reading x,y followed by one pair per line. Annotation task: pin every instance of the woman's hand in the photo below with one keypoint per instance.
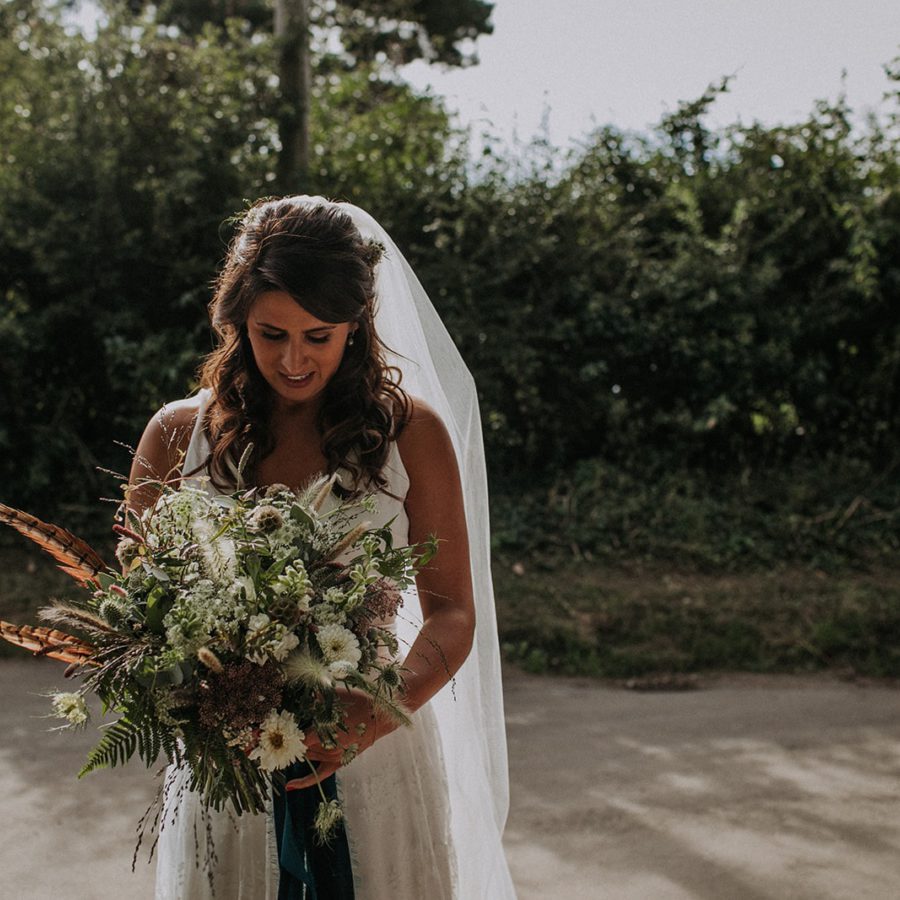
x,y
364,727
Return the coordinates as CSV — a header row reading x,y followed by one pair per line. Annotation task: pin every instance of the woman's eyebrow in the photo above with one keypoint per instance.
x,y
308,330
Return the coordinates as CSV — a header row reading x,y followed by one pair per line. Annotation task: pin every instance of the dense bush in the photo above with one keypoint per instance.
x,y
720,300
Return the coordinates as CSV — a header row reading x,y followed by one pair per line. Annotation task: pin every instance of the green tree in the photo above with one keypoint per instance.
x,y
316,38
123,156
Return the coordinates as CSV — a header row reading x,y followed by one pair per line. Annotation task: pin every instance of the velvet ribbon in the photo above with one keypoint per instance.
x,y
309,870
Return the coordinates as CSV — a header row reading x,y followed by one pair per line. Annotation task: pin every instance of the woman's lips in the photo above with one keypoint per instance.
x,y
296,382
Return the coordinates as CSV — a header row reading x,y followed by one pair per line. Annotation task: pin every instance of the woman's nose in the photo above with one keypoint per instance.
x,y
294,357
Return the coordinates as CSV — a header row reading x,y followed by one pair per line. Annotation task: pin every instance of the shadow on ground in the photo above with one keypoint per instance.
x,y
747,789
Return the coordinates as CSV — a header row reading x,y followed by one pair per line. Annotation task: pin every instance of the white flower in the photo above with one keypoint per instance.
x,y
280,742
340,669
339,644
171,517
278,641
328,817
126,551
243,589
70,706
281,650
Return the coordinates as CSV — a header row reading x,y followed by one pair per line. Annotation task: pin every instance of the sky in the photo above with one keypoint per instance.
x,y
627,62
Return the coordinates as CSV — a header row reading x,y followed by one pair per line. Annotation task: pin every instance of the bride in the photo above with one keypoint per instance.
x,y
319,318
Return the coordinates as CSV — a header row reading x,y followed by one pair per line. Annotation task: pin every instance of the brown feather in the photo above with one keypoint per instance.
x,y
72,554
48,642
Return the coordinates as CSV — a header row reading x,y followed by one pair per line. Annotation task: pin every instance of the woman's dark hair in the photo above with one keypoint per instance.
x,y
316,254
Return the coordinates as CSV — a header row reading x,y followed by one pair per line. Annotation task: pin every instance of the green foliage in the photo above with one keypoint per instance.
x,y
121,157
724,298
121,740
832,514
670,319
400,31
371,31
581,619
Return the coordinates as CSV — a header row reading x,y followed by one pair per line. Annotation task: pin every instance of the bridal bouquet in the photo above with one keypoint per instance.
x,y
230,633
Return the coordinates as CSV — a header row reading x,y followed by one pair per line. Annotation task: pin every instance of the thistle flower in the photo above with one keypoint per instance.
x,y
391,676
112,612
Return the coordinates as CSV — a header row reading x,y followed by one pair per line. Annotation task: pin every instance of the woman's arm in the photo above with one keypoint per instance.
x,y
160,451
434,505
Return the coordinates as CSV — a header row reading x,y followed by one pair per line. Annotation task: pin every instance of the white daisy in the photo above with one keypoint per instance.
x,y
338,643
280,742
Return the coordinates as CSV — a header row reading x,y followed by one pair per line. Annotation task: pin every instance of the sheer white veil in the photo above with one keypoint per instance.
x,y
469,710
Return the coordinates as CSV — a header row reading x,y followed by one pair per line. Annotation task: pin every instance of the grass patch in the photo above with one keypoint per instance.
x,y
832,515
582,619
626,571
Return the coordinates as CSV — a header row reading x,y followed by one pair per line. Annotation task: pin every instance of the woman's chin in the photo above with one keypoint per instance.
x,y
292,393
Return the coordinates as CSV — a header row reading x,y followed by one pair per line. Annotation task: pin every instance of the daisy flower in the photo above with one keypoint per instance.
x,y
339,644
280,742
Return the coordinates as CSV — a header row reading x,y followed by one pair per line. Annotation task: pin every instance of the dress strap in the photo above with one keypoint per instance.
x,y
198,448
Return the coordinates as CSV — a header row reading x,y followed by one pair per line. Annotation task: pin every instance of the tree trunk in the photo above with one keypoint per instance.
x,y
292,40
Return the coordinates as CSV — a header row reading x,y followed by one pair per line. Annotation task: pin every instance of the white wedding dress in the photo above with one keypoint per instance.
x,y
395,797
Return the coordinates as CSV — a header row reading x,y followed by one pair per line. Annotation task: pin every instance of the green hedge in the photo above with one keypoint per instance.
x,y
720,300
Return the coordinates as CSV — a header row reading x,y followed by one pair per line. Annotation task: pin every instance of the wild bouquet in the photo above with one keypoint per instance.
x,y
231,632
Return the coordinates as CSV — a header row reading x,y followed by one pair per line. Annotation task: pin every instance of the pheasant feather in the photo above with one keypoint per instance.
x,y
72,554
47,642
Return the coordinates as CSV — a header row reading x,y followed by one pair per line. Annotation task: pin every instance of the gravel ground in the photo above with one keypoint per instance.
x,y
746,788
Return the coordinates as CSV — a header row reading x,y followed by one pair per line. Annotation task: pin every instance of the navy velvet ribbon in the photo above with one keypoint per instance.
x,y
308,870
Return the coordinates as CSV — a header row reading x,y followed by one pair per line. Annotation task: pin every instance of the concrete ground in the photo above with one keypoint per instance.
x,y
747,788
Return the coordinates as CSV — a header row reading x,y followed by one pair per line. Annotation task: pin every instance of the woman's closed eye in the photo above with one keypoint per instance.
x,y
313,339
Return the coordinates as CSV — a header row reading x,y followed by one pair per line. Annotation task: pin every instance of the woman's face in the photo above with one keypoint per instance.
x,y
295,352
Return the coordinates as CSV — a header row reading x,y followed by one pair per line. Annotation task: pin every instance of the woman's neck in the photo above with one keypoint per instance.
x,y
294,417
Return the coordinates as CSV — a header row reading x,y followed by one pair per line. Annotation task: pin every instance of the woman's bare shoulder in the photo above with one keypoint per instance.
x,y
179,414
167,435
424,438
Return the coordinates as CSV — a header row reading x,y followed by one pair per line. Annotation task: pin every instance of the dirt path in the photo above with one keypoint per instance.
x,y
745,789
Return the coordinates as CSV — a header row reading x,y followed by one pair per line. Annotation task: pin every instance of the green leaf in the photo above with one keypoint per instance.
x,y
299,514
159,602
